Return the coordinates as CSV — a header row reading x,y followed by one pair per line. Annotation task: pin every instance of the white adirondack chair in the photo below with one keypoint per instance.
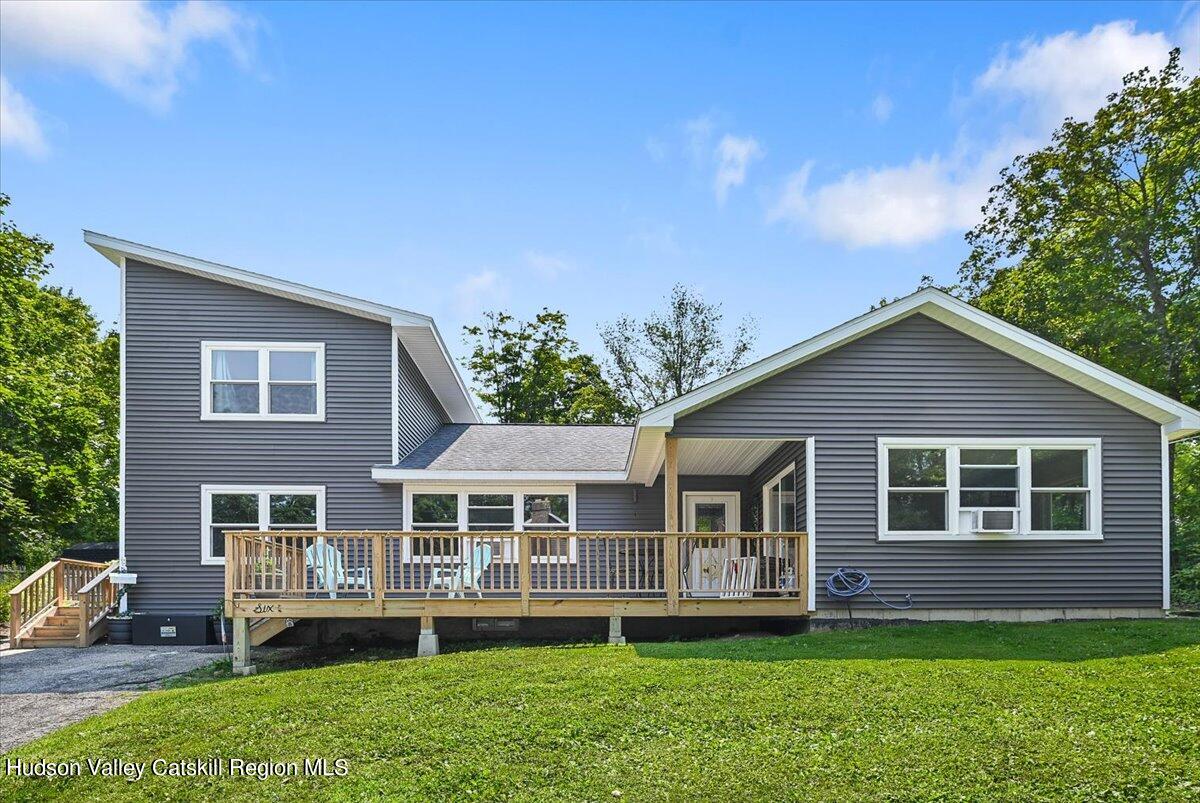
x,y
737,578
330,570
463,577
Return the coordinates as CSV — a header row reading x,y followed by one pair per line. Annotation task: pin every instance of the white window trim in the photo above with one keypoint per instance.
x,y
1025,531
518,493
264,510
207,347
791,469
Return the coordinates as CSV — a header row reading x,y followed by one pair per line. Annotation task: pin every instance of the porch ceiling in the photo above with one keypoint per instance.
x,y
723,455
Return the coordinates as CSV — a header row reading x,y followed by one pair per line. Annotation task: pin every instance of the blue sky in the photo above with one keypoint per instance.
x,y
794,161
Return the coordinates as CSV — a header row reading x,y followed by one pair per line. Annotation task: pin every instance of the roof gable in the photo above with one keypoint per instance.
x,y
1178,419
418,333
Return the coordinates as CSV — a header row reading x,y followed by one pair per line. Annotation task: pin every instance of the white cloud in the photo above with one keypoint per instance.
x,y
479,291
734,155
548,266
137,49
19,127
881,107
657,149
658,239
1069,75
929,197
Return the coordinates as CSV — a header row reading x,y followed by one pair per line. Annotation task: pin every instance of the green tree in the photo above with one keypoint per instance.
x,y
532,372
675,350
1093,242
59,409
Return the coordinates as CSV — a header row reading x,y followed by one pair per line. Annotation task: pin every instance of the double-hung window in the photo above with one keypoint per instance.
x,y
243,381
254,507
989,488
483,510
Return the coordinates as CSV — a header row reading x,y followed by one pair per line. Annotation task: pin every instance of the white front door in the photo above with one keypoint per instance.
x,y
704,559
712,512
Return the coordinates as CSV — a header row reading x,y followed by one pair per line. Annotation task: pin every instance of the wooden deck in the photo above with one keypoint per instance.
x,y
307,574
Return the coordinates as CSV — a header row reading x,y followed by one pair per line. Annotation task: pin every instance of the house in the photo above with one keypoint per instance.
x,y
303,454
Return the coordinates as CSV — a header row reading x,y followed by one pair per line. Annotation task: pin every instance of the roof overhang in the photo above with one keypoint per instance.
x,y
417,332
1177,419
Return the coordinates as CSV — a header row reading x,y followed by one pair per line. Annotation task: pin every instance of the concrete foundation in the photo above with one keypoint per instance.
x,y
427,643
840,616
614,630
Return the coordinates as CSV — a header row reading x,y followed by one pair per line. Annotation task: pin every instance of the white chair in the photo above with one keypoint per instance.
x,y
738,577
463,577
330,570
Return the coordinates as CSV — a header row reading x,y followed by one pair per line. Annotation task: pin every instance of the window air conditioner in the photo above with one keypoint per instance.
x,y
994,521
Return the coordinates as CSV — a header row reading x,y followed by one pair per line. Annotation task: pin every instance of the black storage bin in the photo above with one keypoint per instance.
x,y
156,628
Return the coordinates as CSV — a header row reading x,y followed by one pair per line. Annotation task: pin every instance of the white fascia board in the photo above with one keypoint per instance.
x,y
389,474
959,315
453,394
113,248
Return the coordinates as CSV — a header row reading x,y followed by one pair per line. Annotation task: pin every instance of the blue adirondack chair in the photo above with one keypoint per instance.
x,y
329,569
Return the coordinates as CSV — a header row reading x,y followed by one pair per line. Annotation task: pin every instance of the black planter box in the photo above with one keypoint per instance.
x,y
120,631
154,628
214,630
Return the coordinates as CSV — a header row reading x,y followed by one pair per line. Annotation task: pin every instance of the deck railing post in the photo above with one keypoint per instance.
x,y
85,616
230,566
671,569
14,623
525,571
378,573
802,568
60,587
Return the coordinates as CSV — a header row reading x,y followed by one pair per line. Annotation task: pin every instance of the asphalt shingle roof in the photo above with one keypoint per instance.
x,y
522,447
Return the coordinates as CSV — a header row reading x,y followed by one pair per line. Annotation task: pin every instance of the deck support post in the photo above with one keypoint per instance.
x,y
427,642
241,646
671,485
614,630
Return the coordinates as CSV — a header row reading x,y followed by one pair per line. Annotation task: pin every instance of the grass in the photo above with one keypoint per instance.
x,y
1079,711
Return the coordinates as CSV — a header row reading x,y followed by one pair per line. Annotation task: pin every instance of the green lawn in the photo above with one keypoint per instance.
x,y
1083,711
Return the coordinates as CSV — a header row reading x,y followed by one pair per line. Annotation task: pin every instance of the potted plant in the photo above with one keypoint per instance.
x,y
120,623
216,621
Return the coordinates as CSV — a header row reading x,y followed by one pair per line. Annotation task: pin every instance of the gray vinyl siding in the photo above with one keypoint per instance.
x,y
637,508
418,413
918,377
170,452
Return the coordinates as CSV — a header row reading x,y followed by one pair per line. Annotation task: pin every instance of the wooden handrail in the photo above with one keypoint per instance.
x,y
526,566
96,599
28,581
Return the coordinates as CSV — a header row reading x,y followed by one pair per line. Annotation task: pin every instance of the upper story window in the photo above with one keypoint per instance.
x,y
243,381
989,488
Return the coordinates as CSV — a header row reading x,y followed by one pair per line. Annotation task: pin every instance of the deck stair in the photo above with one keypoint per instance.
x,y
63,604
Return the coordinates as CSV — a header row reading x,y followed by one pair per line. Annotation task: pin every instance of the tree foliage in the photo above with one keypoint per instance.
x,y
59,409
1093,242
532,372
675,350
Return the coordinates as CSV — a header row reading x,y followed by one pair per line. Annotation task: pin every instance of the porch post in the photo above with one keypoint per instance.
x,y
671,493
241,646
427,641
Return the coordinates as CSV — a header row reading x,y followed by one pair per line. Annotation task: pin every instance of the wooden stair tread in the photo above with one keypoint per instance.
x,y
45,641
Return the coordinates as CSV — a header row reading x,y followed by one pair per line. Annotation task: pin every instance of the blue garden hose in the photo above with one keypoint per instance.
x,y
847,583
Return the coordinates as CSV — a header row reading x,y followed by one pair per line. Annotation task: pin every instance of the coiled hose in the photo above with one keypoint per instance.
x,y
847,583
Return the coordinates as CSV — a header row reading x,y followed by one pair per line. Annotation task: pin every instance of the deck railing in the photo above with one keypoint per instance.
x,y
59,582
349,565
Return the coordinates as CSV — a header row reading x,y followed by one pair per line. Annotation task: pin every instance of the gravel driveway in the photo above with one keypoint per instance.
x,y
43,690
